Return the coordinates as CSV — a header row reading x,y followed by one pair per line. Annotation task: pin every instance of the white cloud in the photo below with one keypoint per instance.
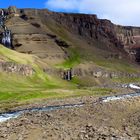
x,y
64,5
124,12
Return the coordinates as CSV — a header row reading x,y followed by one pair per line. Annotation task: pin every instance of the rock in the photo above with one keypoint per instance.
x,y
11,67
8,124
12,9
61,43
97,74
89,125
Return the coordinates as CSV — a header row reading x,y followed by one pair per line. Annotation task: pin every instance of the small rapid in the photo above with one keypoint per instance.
x,y
119,97
9,115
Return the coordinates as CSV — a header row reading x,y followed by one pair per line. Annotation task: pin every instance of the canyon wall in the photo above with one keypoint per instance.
x,y
102,30
100,33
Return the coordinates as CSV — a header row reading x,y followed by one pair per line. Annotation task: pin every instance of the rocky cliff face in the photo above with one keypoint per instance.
x,y
94,29
129,37
88,26
30,27
11,67
97,32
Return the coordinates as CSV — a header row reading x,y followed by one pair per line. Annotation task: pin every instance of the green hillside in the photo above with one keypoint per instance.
x,y
42,41
16,89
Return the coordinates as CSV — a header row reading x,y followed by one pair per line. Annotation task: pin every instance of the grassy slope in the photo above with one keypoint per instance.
x,y
16,89
80,51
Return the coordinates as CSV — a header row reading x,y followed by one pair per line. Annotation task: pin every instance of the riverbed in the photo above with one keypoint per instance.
x,y
14,114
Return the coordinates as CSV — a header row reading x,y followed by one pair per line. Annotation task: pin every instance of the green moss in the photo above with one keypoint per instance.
x,y
14,56
11,99
73,60
117,65
126,80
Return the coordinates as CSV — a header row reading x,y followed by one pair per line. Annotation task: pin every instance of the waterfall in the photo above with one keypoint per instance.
x,y
6,35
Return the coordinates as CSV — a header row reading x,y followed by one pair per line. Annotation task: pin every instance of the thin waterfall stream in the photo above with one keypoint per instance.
x,y
6,36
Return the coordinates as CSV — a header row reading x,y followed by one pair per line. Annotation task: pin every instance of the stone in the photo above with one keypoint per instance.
x,y
97,74
11,67
8,125
12,9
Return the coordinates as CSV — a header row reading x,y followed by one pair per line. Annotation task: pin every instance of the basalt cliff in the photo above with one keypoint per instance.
x,y
36,25
92,47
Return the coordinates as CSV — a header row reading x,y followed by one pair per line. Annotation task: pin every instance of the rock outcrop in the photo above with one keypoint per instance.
x,y
11,67
102,30
129,37
102,73
88,26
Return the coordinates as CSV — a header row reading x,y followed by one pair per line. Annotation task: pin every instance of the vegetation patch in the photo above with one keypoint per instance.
x,y
11,99
126,80
72,60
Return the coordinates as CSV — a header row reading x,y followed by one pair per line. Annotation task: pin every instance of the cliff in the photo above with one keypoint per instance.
x,y
129,37
62,41
100,33
102,30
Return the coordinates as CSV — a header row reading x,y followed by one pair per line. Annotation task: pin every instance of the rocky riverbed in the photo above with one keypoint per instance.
x,y
115,120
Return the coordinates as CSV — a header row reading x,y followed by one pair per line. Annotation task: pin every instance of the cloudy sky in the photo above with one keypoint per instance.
x,y
125,12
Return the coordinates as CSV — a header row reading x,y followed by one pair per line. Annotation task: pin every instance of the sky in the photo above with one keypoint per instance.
x,y
123,12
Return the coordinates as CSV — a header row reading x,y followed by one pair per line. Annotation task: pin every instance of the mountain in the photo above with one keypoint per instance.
x,y
98,51
98,33
35,77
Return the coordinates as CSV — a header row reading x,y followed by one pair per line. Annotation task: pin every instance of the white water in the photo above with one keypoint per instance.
x,y
11,115
134,86
7,116
119,97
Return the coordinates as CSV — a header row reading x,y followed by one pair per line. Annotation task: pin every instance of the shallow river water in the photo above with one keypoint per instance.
x,y
9,115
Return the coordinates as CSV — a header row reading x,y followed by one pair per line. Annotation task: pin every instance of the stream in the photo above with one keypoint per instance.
x,y
119,97
9,115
